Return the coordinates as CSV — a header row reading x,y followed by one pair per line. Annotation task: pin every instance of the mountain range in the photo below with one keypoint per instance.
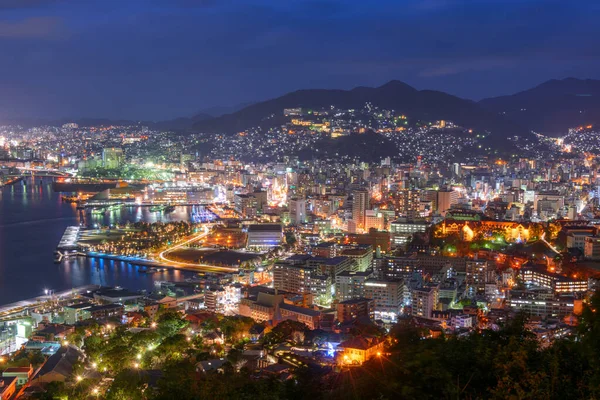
x,y
552,107
549,108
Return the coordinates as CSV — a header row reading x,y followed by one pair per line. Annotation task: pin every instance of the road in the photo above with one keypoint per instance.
x,y
543,239
163,256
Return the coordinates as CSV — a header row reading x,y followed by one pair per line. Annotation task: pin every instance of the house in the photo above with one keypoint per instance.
x,y
212,338
360,349
58,367
52,332
211,365
155,302
23,374
8,386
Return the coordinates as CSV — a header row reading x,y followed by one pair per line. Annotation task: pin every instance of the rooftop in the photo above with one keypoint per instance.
x,y
264,227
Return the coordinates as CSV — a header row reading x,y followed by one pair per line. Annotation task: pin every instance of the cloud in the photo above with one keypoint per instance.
x,y
34,27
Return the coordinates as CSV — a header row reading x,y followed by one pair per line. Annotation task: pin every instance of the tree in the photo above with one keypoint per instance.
x,y
128,385
179,382
170,323
172,347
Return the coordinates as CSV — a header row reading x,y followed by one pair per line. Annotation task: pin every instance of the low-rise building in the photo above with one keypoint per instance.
x,y
360,349
265,235
23,374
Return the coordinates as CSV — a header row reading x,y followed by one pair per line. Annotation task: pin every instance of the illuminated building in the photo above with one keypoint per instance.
x,y
387,295
402,230
289,112
359,349
424,301
510,231
591,248
408,203
445,200
272,307
351,309
112,157
360,204
297,211
362,255
478,274
541,303
351,284
374,219
395,267
300,278
265,235
246,205
533,275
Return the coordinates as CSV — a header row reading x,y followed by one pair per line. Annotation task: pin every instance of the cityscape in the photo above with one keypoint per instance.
x,y
377,242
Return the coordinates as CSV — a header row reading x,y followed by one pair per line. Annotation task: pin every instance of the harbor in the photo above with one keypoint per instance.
x,y
33,221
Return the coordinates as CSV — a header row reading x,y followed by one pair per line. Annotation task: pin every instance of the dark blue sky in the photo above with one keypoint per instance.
x,y
156,59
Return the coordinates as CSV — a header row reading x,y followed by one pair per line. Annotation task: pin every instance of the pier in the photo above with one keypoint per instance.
x,y
69,239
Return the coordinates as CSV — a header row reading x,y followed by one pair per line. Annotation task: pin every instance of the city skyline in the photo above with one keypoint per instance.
x,y
159,60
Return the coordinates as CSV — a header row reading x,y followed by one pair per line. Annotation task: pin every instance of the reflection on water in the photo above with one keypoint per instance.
x,y
136,214
32,221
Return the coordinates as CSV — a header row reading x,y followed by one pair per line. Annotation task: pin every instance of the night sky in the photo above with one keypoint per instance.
x,y
158,59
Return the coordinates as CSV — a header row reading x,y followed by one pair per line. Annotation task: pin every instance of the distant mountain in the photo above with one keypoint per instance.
x,y
217,111
552,107
183,123
176,124
427,105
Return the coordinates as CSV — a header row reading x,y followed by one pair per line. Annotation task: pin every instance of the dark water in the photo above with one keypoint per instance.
x,y
32,221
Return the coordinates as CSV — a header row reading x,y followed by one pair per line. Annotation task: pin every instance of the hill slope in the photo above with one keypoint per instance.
x,y
552,107
427,105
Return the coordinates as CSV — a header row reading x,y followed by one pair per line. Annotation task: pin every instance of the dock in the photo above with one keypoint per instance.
x,y
69,239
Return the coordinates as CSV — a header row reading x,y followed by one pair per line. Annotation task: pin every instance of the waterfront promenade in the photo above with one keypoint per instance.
x,y
18,307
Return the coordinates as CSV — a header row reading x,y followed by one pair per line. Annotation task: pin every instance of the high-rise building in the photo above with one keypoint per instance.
x,y
478,273
408,203
297,211
374,219
112,157
349,310
360,204
445,200
246,205
351,284
387,295
424,301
